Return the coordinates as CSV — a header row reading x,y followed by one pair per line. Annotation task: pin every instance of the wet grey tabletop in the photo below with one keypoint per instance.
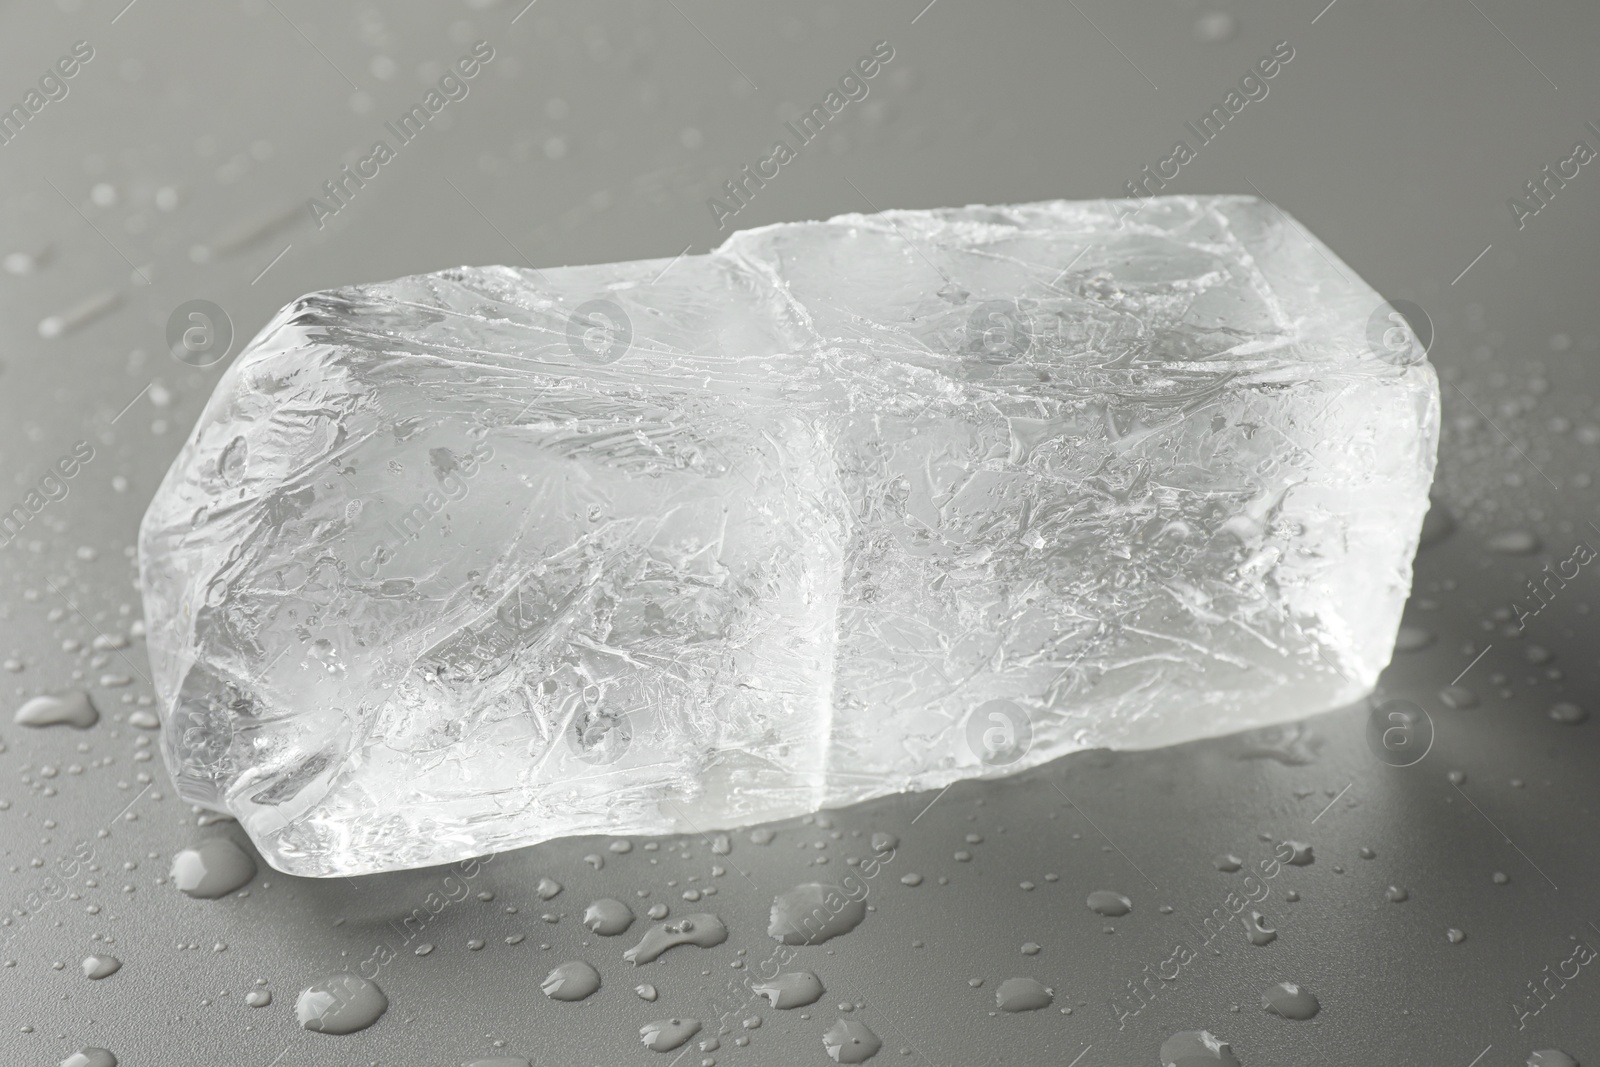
x,y
1439,918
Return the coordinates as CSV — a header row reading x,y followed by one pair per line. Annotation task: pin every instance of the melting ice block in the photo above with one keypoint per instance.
x,y
474,559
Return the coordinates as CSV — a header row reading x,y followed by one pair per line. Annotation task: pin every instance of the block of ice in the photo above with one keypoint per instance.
x,y
474,559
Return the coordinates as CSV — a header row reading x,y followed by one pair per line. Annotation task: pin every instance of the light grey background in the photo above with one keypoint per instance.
x,y
178,167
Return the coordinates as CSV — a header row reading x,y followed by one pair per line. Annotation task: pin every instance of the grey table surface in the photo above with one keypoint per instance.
x,y
178,166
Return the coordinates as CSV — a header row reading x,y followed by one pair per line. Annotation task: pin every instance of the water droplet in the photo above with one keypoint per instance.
x,y
911,878
1197,1048
212,869
258,998
89,1057
664,1035
812,913
498,1061
98,967
1260,932
547,888
1454,936
1030,949
1227,863
1412,639
795,989
1501,878
1569,714
1457,777
1514,543
1108,903
572,980
1021,994
144,720
70,709
699,929
884,842
1550,1057
1290,1001
849,1041
340,1004
607,917
1300,854
1396,895
1215,27
1458,697
720,845
762,836
646,991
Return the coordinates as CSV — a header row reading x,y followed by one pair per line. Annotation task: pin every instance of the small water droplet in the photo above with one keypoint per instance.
x,y
849,1041
1458,697
547,888
258,998
1412,639
1500,878
1227,863
212,869
1108,903
98,967
911,878
1550,1057
1457,777
1396,895
795,989
646,991
1454,936
1030,949
1568,714
1021,994
762,836
1197,1048
340,1004
1290,1001
607,917
1259,930
1215,27
69,709
1299,854
86,1057
1514,543
664,1035
812,913
573,980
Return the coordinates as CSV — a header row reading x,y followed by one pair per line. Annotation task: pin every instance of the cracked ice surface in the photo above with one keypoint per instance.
x,y
458,562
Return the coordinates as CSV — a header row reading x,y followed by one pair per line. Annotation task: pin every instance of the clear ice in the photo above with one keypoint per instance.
x,y
470,560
